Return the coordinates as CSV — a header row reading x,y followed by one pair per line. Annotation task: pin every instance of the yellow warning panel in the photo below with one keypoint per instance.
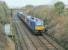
x,y
39,28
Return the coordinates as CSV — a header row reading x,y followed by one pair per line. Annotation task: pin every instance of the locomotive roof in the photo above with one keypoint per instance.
x,y
34,18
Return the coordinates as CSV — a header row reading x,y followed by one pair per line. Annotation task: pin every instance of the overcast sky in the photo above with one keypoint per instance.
x,y
20,3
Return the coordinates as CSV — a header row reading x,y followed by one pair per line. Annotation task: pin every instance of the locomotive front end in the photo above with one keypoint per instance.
x,y
39,26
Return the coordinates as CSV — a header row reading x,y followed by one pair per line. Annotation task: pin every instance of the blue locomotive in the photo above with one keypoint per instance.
x,y
35,24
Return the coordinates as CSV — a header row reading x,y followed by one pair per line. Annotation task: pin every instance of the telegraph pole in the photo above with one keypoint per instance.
x,y
11,12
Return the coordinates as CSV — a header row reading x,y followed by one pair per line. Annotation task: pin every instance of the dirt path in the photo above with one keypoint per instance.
x,y
11,45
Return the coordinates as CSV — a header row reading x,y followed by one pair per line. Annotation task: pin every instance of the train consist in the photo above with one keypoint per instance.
x,y
35,24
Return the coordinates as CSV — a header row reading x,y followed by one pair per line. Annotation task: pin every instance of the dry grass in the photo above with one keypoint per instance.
x,y
10,45
3,20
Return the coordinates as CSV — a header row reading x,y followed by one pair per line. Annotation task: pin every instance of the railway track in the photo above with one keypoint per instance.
x,y
52,42
49,45
35,41
21,40
43,41
31,42
27,42
18,36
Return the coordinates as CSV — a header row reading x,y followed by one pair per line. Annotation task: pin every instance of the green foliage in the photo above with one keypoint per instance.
x,y
4,13
57,26
39,16
59,7
29,6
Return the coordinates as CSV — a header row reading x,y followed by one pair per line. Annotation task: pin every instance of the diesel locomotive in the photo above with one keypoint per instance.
x,y
35,24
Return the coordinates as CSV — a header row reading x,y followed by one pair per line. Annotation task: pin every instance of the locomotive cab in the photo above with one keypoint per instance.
x,y
39,25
